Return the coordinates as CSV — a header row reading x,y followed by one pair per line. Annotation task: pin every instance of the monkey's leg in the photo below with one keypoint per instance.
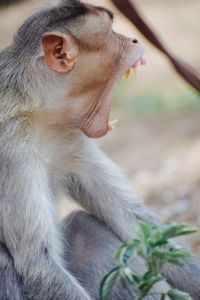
x,y
10,286
90,246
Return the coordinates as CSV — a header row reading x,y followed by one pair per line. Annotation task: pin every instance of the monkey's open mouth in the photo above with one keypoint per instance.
x,y
141,62
100,124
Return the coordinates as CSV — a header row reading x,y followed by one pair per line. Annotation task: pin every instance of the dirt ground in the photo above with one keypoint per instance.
x,y
160,151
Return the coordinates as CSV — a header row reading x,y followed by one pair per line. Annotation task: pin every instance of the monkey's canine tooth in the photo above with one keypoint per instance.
x,y
136,71
128,73
111,124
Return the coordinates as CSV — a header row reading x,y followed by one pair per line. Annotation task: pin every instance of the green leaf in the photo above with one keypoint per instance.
x,y
145,229
147,275
156,235
143,251
174,230
137,278
134,243
158,243
124,282
171,255
147,284
129,254
108,283
156,247
128,275
178,295
120,254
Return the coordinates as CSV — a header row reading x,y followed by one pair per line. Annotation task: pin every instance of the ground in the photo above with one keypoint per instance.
x,y
157,139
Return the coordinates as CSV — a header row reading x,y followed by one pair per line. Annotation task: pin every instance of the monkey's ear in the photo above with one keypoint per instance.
x,y
60,51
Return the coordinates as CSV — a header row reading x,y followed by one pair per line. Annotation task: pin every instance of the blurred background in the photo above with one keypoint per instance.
x,y
157,139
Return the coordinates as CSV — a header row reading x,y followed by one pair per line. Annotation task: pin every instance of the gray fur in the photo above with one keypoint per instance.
x,y
31,251
89,255
103,191
28,224
10,283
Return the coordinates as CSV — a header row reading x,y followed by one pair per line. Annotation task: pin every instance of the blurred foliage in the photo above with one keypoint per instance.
x,y
154,100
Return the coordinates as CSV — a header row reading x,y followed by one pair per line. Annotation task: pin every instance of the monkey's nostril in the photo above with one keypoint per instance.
x,y
135,41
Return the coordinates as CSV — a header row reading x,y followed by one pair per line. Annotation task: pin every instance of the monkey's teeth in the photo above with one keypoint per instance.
x,y
136,71
141,62
128,73
111,125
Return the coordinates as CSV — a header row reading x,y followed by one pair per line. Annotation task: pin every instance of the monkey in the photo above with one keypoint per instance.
x,y
56,83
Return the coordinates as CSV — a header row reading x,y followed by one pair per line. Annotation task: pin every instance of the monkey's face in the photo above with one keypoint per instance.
x,y
89,61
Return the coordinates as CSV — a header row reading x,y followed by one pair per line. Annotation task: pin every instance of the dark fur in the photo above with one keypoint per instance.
x,y
10,283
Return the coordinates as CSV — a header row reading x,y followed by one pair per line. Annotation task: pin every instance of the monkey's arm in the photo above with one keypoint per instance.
x,y
103,191
28,227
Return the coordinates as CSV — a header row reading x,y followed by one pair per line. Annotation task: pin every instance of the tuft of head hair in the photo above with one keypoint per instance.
x,y
29,35
70,2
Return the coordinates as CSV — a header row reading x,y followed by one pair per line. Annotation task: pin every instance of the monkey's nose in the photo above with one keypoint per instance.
x,y
135,41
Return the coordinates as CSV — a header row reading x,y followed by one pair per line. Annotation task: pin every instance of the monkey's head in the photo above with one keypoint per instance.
x,y
77,57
